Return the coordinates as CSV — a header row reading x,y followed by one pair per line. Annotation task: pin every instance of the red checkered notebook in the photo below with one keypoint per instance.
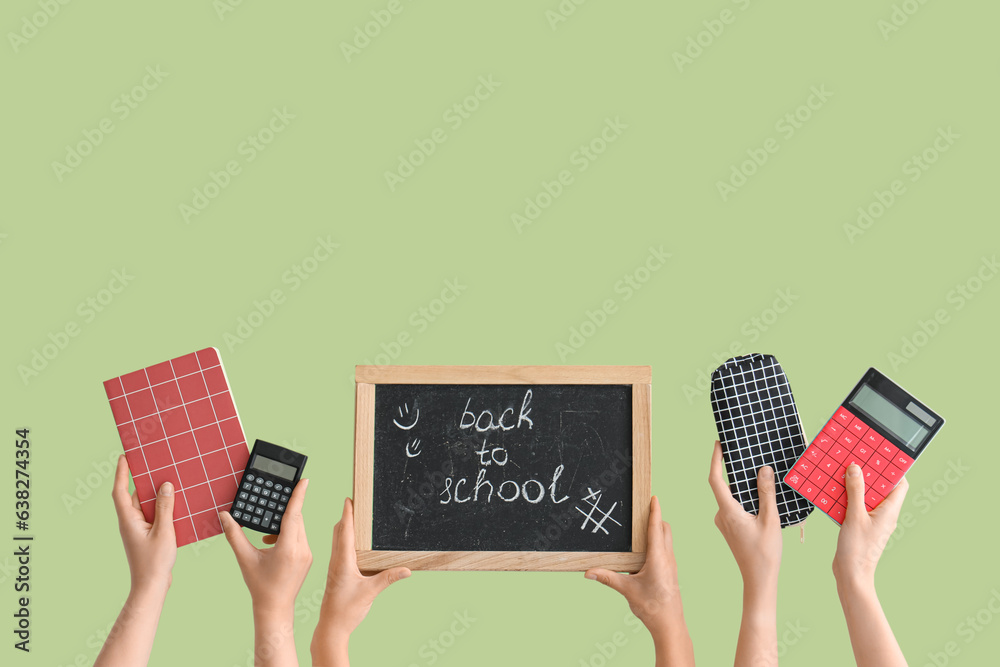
x,y
178,423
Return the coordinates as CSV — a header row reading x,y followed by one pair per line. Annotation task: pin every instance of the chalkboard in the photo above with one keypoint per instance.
x,y
501,467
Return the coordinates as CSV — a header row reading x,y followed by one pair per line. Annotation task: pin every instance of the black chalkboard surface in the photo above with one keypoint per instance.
x,y
502,468
543,468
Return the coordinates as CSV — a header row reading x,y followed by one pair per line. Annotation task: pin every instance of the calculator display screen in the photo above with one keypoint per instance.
x,y
273,467
888,416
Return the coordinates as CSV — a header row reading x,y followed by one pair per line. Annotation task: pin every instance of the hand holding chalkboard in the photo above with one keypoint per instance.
x,y
501,467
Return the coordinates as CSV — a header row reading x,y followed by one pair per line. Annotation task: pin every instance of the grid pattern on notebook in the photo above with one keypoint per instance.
x,y
758,425
178,423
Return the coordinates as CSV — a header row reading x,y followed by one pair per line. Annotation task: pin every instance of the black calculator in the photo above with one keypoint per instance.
x,y
271,474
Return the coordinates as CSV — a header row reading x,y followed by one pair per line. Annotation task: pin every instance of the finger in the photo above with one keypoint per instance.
x,y
163,518
768,503
723,496
654,529
343,534
119,490
292,526
383,580
135,500
855,484
614,580
237,539
893,503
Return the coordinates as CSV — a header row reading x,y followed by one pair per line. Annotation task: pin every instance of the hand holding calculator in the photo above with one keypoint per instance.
x,y
267,484
881,428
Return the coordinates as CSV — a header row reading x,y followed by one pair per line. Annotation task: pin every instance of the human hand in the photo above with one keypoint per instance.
x,y
754,540
864,534
653,594
349,594
151,548
274,575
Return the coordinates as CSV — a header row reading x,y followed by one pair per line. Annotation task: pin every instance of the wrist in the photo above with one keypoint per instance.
x,y
273,613
150,589
854,583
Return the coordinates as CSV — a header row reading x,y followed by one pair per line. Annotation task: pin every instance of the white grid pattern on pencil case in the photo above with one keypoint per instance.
x,y
173,379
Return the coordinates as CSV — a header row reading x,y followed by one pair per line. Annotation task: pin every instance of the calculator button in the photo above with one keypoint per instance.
x,y
265,493
255,521
858,428
878,462
271,505
240,504
266,521
237,515
829,465
818,478
892,473
793,479
872,438
839,452
256,489
269,484
823,441
809,490
281,508
863,451
259,480
277,487
872,500
824,502
259,511
833,428
804,467
833,489
883,487
902,461
284,498
837,513
247,485
244,495
843,416
814,455
849,439
888,450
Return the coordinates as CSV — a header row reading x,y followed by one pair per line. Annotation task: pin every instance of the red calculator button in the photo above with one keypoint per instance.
x,y
902,461
878,462
833,428
837,513
824,502
863,451
883,487
809,490
892,473
814,455
888,450
858,427
842,500
823,441
848,439
870,476
872,500
819,479
829,466
833,489
804,467
795,479
872,438
839,452
843,416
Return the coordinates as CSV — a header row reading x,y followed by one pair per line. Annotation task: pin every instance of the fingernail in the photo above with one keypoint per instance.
x,y
854,470
167,489
405,575
766,472
590,576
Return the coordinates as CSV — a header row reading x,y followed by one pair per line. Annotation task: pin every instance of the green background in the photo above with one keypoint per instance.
x,y
655,185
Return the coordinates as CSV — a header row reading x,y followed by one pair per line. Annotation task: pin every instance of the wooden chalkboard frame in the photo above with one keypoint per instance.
x,y
367,377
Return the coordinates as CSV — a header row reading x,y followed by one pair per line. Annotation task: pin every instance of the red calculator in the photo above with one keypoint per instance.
x,y
879,426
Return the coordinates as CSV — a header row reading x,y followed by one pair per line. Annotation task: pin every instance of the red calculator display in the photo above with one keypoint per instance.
x,y
880,427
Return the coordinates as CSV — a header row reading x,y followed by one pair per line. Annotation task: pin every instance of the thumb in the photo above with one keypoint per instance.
x,y
383,580
855,483
768,504
610,579
163,518
237,539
